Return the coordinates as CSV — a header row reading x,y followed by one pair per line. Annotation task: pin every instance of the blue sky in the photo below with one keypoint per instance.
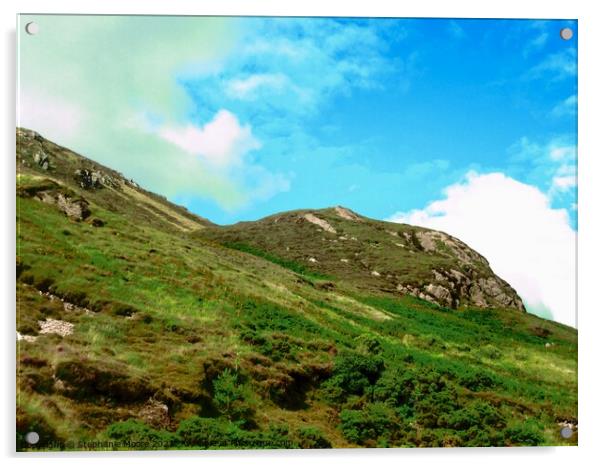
x,y
398,119
420,102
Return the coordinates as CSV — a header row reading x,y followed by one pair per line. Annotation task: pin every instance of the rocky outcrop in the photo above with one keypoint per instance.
x,y
88,179
442,243
28,135
42,160
323,224
347,214
452,288
76,208
95,179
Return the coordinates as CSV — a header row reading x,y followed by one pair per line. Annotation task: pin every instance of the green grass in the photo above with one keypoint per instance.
x,y
248,347
287,264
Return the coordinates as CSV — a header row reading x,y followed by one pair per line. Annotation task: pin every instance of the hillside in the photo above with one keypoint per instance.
x,y
141,325
375,256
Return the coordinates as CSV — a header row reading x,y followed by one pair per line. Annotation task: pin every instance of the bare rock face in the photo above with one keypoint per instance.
x,y
42,160
323,224
74,208
431,241
440,293
452,288
347,214
472,284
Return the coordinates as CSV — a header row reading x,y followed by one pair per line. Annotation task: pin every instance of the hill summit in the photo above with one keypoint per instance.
x,y
376,256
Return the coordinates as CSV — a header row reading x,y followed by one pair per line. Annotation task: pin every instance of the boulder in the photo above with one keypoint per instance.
x,y
42,160
88,179
440,293
74,207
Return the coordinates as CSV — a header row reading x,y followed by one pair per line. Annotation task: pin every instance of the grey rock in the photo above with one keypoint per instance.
x,y
76,209
89,179
42,160
440,293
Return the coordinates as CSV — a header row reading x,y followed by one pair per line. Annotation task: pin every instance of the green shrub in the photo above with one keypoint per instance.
x,y
368,425
395,387
480,437
369,344
435,405
477,381
206,433
209,433
229,396
312,437
491,352
259,315
479,414
134,434
528,432
286,263
353,374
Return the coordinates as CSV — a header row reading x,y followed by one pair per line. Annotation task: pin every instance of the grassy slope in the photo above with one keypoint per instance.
x,y
353,254
246,352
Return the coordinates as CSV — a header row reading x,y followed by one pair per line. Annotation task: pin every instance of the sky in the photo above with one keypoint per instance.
x,y
466,126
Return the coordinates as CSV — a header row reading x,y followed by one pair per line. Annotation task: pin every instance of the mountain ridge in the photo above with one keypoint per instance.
x,y
464,280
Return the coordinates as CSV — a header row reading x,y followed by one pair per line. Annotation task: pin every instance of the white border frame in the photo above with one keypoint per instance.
x,y
590,232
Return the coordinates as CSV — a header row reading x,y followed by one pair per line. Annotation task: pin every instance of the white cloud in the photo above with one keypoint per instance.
x,y
249,87
304,62
49,115
552,166
535,44
556,66
222,142
564,180
220,148
568,107
528,243
562,152
564,183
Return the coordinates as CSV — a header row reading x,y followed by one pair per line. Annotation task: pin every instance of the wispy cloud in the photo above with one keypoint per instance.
x,y
568,107
456,30
250,87
556,66
552,166
536,44
304,63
